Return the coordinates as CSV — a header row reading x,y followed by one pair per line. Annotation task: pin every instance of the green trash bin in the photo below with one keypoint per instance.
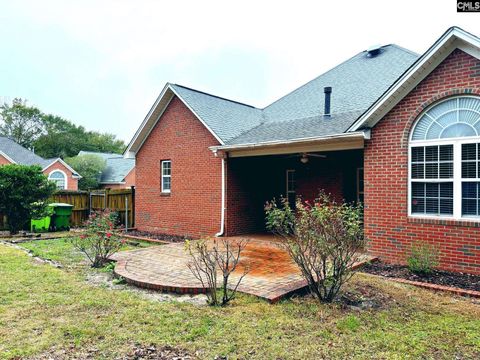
x,y
60,219
42,224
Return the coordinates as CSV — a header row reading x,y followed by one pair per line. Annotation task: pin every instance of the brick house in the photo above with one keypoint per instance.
x,y
55,169
119,172
393,129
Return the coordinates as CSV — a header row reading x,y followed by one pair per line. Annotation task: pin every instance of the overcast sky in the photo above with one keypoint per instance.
x,y
102,64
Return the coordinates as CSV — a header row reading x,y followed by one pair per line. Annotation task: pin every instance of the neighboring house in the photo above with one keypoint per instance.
x,y
56,169
119,172
398,131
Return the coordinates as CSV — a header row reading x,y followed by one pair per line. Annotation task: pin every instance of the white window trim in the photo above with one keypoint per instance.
x,y
457,178
163,162
64,176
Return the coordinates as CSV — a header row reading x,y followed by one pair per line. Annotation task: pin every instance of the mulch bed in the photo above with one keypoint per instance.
x,y
437,277
154,236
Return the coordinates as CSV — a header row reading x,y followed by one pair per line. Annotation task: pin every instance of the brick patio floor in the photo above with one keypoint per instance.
x,y
272,273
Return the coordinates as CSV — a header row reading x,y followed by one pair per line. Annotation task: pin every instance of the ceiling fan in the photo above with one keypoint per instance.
x,y
304,156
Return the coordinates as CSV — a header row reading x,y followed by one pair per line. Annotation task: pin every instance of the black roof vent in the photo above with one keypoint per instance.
x,y
374,50
328,92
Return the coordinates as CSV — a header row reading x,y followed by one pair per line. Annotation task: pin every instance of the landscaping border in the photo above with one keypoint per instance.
x,y
142,238
430,286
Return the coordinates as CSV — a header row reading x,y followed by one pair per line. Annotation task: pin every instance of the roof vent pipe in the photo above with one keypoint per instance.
x,y
328,92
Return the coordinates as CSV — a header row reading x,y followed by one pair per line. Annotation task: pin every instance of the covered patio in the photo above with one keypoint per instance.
x,y
254,180
272,274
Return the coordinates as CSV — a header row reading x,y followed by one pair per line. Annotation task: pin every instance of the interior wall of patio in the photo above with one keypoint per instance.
x,y
252,181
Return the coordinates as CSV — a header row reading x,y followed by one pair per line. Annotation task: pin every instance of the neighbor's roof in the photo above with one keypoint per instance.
x,y
116,169
21,155
356,84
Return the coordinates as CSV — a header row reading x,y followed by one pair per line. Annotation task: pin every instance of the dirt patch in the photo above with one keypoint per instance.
x,y
158,353
363,297
150,352
106,280
438,277
164,237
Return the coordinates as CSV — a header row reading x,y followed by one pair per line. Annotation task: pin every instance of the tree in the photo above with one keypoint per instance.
x,y
21,123
325,239
24,191
64,139
61,138
104,142
90,166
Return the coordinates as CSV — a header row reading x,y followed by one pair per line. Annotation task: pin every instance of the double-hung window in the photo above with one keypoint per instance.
x,y
166,178
444,161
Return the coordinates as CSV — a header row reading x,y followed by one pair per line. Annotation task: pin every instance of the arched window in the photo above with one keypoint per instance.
x,y
444,160
60,178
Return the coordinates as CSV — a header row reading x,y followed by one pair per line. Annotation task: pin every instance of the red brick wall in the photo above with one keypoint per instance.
x,y
129,182
72,183
193,206
130,178
251,181
3,160
387,225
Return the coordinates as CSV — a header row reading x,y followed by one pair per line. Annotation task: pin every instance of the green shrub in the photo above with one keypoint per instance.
x,y
423,258
24,193
325,239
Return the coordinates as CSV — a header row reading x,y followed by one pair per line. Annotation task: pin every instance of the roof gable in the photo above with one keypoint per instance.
x,y
52,161
453,38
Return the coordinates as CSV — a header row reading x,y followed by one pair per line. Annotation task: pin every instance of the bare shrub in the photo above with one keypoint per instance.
x,y
324,239
214,257
99,241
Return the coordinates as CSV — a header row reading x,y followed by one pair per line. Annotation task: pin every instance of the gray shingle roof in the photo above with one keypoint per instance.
x,y
117,167
299,128
21,155
356,84
226,118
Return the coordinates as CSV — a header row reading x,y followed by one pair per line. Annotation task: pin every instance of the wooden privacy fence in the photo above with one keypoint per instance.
x,y
122,201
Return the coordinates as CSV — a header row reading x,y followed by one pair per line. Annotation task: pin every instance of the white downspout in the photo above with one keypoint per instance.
x,y
222,217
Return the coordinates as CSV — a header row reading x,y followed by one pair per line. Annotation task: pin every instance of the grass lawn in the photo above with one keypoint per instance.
x,y
42,307
62,251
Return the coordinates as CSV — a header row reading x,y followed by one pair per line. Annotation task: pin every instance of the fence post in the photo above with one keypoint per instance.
x,y
89,211
105,199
